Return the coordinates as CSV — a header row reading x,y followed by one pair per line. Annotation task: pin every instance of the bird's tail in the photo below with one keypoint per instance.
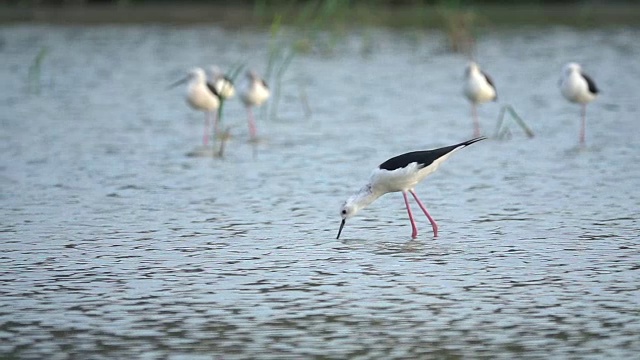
x,y
469,142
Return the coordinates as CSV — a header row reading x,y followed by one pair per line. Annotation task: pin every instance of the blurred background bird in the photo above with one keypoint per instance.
x,y
201,96
255,92
478,88
578,87
223,86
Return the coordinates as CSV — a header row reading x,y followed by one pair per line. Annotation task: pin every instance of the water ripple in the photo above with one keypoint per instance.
x,y
117,245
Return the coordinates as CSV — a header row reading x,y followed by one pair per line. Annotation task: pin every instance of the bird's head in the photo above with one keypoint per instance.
x,y
471,67
197,74
571,67
355,203
252,75
348,209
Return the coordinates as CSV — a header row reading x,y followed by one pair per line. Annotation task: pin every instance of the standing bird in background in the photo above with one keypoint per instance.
x,y
401,173
201,97
478,88
254,93
223,86
579,88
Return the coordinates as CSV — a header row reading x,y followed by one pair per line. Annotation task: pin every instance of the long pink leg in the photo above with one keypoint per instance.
x,y
583,113
207,131
414,228
476,123
252,124
434,226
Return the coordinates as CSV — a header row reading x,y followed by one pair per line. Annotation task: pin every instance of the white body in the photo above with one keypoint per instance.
x,y
574,86
385,181
476,87
223,87
198,94
254,92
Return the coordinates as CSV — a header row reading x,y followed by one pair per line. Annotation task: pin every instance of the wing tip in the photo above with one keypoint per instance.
x,y
474,140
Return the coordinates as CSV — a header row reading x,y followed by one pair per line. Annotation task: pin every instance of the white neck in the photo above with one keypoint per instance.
x,y
365,196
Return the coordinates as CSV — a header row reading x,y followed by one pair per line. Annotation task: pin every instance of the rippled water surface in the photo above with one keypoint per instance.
x,y
115,244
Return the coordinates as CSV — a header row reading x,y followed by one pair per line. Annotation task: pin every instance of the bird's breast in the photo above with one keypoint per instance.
x,y
202,99
478,90
575,89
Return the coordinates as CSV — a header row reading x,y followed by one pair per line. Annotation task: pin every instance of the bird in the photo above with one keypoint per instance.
x,y
578,87
254,93
401,173
478,88
201,96
223,86
222,83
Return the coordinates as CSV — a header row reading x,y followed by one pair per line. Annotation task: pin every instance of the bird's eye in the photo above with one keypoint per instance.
x,y
344,212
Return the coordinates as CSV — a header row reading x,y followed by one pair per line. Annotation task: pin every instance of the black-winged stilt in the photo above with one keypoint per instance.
x,y
201,97
578,87
223,86
221,83
254,93
401,173
478,88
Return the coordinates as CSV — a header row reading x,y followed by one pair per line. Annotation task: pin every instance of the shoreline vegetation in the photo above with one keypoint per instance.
x,y
335,13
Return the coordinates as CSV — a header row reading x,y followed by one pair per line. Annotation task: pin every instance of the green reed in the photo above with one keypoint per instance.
x,y
502,130
35,71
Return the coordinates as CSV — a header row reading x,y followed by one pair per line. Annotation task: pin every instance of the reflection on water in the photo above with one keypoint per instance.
x,y
116,244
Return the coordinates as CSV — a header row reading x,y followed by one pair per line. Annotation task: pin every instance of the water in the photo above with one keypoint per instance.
x,y
115,244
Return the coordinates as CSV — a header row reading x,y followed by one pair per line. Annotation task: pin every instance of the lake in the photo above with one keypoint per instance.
x,y
116,244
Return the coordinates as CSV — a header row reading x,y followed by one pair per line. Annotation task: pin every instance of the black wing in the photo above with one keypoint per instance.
x,y
423,158
490,81
592,85
213,90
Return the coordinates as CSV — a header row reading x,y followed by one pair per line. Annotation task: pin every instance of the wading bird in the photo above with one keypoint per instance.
x,y
223,86
578,87
401,173
201,97
478,88
254,93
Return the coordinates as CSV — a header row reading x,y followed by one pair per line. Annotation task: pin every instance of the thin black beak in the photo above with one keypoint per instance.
x,y
179,82
341,226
